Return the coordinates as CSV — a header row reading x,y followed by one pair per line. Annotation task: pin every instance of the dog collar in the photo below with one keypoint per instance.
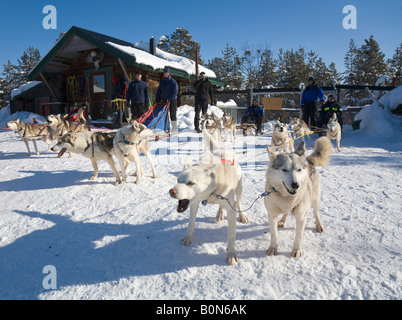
x,y
128,142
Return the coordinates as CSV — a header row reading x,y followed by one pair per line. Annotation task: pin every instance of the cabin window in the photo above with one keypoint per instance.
x,y
99,83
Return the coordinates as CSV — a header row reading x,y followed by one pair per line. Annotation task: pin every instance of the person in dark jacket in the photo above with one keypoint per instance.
x,y
328,109
308,102
137,96
204,90
167,91
254,114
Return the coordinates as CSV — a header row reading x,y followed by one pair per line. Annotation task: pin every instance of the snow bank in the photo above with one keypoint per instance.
x,y
186,113
377,122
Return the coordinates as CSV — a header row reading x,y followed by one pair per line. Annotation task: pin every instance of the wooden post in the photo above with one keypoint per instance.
x,y
123,66
196,65
48,86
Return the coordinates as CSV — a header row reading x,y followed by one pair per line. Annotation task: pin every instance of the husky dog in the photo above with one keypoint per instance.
x,y
334,131
95,146
229,123
30,132
280,137
216,179
294,187
300,129
58,127
129,142
213,124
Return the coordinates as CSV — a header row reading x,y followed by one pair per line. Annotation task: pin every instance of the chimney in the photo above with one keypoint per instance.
x,y
152,46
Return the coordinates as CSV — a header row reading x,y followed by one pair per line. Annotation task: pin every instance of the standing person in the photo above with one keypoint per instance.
x,y
254,114
308,107
167,91
204,89
137,96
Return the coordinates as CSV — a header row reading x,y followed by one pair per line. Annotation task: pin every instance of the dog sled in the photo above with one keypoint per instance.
x,y
157,119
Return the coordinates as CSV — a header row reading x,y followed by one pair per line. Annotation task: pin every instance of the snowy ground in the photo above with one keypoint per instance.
x,y
124,242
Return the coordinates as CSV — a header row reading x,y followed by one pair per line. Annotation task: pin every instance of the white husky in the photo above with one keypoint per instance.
x,y
334,131
281,138
294,187
216,179
129,142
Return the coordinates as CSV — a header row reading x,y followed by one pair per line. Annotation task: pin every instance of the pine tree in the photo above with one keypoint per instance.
x,y
370,62
180,43
267,69
3,101
396,62
26,63
350,62
9,79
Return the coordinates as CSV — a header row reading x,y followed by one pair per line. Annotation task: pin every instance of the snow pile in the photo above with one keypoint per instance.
x,y
186,114
229,103
377,122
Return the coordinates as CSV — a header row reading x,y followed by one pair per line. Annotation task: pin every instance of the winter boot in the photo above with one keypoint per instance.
x,y
174,127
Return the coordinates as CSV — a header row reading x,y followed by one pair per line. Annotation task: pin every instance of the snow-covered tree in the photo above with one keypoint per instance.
x,y
370,62
181,43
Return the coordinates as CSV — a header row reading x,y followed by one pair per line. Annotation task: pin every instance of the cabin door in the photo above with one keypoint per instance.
x,y
98,95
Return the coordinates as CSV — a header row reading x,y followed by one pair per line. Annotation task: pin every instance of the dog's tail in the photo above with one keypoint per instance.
x,y
80,116
211,144
321,153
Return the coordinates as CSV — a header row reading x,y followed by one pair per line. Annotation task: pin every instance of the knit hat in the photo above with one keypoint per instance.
x,y
138,72
202,74
166,70
311,78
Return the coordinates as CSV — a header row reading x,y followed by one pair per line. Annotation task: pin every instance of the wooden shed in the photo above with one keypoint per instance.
x,y
86,67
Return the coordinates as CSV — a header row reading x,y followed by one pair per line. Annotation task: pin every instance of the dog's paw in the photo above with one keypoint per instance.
x,y
187,240
137,181
117,182
296,253
243,218
219,216
231,258
281,224
272,251
93,178
319,228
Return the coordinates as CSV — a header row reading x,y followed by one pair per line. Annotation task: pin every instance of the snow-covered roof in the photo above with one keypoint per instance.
x,y
24,87
78,40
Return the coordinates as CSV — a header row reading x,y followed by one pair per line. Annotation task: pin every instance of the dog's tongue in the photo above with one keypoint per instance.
x,y
183,204
61,152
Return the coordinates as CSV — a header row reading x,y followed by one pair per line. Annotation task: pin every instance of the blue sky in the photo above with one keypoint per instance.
x,y
315,25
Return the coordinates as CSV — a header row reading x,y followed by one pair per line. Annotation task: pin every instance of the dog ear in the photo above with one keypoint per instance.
x,y
210,171
272,153
189,162
301,150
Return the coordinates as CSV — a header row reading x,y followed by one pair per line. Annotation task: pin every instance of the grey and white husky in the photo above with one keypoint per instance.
x,y
129,142
294,187
30,132
300,129
95,146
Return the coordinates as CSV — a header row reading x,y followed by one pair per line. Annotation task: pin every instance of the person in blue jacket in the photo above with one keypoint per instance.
x,y
254,114
308,102
137,96
167,91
